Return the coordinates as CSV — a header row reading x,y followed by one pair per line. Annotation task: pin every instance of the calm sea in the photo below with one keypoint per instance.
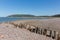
x,y
6,19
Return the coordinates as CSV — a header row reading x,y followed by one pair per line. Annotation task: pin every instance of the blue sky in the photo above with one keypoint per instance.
x,y
34,7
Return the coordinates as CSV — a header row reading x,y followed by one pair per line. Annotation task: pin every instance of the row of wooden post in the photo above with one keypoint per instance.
x,y
49,33
43,31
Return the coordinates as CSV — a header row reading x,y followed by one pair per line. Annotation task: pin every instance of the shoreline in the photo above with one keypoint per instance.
x,y
53,24
49,24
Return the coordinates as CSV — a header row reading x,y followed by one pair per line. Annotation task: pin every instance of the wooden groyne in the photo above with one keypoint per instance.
x,y
48,32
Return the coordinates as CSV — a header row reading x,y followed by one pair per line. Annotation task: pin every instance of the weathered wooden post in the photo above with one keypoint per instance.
x,y
36,29
56,38
53,35
44,31
39,31
27,26
23,25
49,32
32,28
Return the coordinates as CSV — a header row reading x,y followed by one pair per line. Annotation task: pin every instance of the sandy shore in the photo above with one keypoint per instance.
x,y
9,32
53,24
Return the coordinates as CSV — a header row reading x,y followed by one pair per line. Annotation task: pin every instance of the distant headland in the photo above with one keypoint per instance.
x,y
27,15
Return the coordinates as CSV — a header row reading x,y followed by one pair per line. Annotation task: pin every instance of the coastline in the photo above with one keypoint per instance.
x,y
52,24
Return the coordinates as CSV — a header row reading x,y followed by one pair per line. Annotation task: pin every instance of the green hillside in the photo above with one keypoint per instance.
x,y
26,15
21,15
57,15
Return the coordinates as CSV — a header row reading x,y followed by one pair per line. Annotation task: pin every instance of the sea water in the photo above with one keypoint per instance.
x,y
6,19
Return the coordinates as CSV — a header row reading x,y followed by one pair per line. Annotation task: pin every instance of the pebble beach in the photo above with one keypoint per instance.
x,y
9,30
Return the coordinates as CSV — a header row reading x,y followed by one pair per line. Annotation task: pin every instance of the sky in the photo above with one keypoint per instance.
x,y
34,7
